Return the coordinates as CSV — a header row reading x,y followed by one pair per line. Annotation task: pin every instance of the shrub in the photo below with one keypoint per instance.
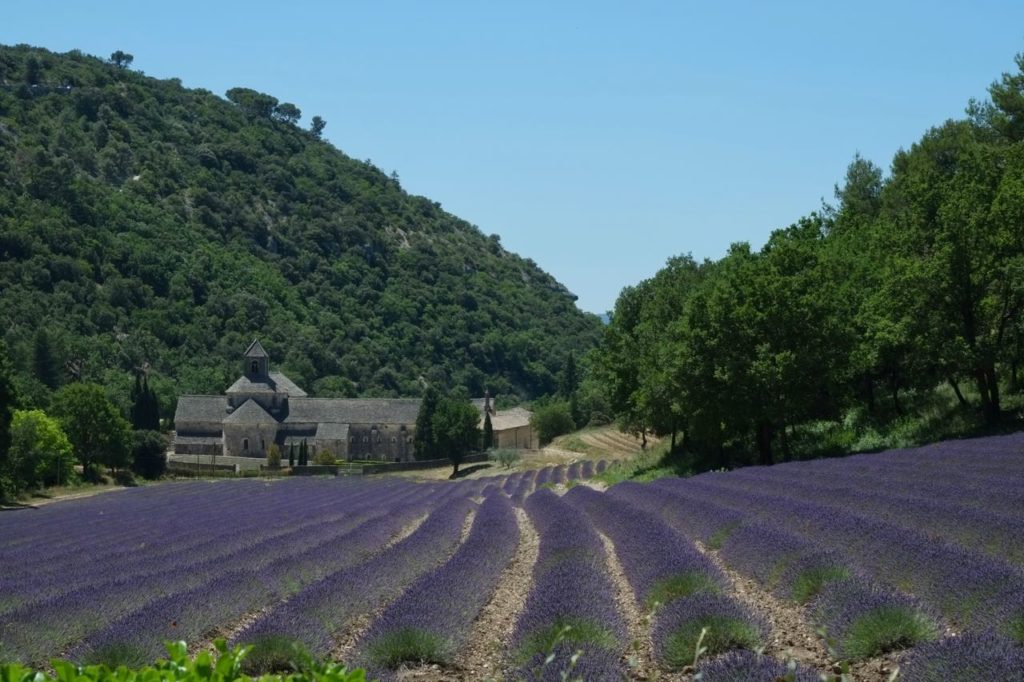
x,y
149,458
274,456
506,457
323,456
552,420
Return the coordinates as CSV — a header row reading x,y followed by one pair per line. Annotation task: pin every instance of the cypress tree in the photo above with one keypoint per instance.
x,y
44,364
291,454
488,432
8,401
303,453
424,442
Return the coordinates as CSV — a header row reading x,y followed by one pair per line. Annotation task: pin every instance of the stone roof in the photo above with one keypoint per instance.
x,y
197,440
276,383
332,431
512,418
200,408
255,350
249,413
353,410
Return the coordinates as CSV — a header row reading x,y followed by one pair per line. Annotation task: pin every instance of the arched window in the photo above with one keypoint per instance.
x,y
245,444
255,366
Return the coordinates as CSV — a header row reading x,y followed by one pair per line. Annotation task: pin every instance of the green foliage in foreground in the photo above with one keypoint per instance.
x,y
145,223
224,665
572,630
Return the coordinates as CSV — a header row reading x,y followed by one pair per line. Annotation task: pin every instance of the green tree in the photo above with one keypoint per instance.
x,y
145,409
253,103
121,60
96,429
45,365
149,454
424,440
455,430
288,113
488,442
40,453
8,401
291,454
551,420
317,127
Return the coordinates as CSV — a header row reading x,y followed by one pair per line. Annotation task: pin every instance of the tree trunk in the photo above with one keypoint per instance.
x,y
895,386
764,443
956,389
787,454
988,388
643,439
869,389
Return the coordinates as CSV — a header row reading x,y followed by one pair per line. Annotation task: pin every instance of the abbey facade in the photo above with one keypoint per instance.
x,y
263,408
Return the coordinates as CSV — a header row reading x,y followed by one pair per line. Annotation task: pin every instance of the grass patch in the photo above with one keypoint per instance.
x,y
719,536
668,589
574,443
409,645
723,634
886,629
1015,629
808,584
570,630
118,654
276,654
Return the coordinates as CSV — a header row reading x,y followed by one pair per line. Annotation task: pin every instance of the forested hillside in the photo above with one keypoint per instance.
x,y
146,224
892,317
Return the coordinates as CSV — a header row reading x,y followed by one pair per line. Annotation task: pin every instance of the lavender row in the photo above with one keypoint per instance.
x,y
429,622
570,601
31,633
859,619
664,568
168,573
969,588
313,615
220,601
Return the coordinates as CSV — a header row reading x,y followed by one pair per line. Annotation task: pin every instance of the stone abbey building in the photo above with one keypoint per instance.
x,y
264,407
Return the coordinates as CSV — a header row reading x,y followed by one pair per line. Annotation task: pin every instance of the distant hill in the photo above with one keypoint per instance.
x,y
143,223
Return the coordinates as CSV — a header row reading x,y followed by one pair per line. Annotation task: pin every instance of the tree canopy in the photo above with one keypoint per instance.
x,y
910,282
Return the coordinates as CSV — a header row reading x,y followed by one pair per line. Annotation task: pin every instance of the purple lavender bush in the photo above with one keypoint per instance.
x,y
724,623
861,621
570,602
430,620
970,657
748,666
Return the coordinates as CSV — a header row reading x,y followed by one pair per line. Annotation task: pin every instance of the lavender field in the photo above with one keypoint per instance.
x,y
910,560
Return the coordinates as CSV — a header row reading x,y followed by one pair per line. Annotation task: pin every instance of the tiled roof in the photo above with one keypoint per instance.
x,y
197,440
200,408
512,418
249,413
353,410
275,383
332,431
255,350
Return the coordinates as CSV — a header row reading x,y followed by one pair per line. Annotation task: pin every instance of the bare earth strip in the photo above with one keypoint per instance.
x,y
791,635
639,660
482,656
229,631
346,640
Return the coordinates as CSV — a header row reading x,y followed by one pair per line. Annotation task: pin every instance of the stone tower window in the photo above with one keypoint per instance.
x,y
255,366
245,444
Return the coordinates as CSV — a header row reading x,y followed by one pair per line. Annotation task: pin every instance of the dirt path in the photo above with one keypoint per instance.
x,y
639,658
484,652
792,635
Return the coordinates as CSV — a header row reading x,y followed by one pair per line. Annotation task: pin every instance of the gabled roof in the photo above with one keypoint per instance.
x,y
512,418
353,411
255,350
249,413
200,408
274,383
332,431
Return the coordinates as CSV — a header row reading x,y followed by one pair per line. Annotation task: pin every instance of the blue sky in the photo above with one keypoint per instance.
x,y
597,138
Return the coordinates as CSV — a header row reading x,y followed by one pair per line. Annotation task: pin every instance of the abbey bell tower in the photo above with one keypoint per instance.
x,y
256,362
